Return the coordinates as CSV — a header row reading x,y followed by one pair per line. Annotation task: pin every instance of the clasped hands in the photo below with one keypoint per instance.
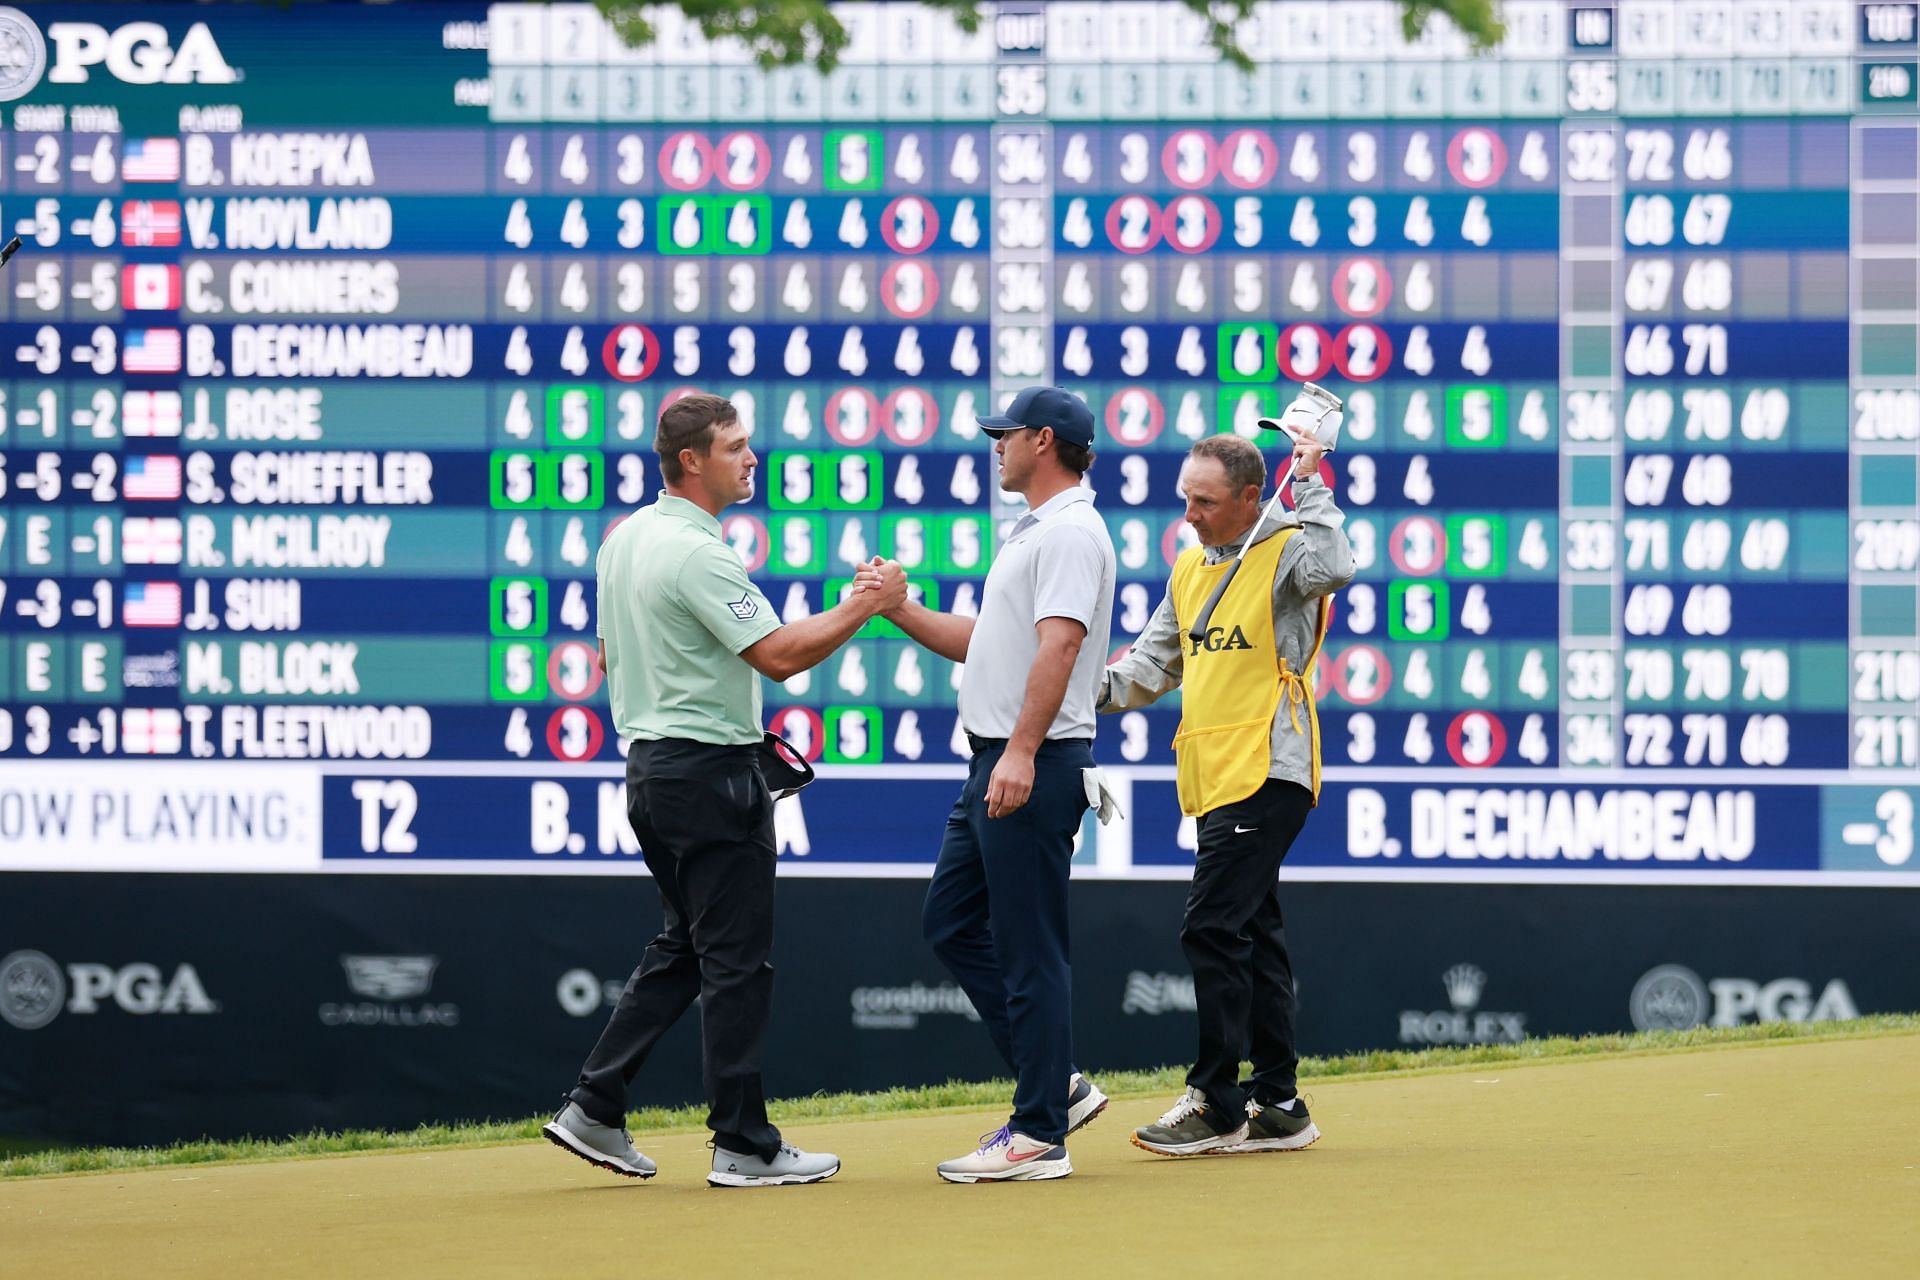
x,y
884,581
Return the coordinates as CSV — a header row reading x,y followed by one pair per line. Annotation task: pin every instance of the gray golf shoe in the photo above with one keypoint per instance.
x,y
789,1167
1187,1129
1277,1129
597,1144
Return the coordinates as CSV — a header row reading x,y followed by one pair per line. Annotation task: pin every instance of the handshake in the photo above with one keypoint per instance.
x,y
880,586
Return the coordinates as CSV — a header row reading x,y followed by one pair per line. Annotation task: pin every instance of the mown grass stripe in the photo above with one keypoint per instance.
x,y
952,1096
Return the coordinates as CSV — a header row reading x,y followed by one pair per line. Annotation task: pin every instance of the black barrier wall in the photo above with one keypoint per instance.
x,y
140,1009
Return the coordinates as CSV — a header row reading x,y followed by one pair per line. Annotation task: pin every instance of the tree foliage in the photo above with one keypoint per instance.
x,y
784,33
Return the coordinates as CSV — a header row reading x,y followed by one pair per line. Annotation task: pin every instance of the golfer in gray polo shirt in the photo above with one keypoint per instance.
x,y
996,910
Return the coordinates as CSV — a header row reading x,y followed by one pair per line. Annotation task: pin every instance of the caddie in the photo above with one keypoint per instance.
x,y
1248,767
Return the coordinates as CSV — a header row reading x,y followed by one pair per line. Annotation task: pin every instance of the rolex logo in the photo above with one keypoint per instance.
x,y
1466,1022
1464,983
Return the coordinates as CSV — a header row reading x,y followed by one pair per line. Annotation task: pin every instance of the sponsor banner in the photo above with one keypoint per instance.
x,y
346,1001
902,1008
74,815
1157,993
1672,997
389,991
35,989
1465,1022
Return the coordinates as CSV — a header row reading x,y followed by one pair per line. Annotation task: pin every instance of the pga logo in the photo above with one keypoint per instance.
x,y
136,53
34,990
1672,997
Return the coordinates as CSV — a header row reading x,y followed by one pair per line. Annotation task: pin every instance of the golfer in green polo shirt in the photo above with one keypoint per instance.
x,y
685,637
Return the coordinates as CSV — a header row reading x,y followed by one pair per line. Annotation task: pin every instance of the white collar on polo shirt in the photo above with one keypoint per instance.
x,y
1051,507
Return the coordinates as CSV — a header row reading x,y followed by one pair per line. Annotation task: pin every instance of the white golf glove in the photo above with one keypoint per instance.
x,y
1099,798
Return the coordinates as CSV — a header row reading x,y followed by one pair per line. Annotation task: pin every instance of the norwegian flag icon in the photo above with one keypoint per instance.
x,y
150,731
145,223
150,540
150,286
146,414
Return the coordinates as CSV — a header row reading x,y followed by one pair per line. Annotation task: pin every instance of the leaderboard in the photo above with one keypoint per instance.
x,y
337,337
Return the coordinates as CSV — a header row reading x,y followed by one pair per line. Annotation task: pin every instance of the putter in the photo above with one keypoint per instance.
x,y
12,247
1314,415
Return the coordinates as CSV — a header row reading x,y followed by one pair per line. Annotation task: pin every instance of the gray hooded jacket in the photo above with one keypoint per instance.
x,y
1316,563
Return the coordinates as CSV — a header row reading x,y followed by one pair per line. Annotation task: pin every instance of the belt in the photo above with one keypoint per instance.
x,y
980,744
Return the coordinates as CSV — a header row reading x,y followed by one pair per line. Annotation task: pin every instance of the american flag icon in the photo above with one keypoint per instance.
x,y
150,413
152,351
150,286
146,223
151,479
151,160
150,731
150,540
151,604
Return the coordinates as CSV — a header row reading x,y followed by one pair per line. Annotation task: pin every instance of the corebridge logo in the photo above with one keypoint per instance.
x,y
901,1008
34,990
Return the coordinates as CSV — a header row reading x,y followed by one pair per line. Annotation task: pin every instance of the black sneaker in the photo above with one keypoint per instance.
x,y
1277,1129
1186,1131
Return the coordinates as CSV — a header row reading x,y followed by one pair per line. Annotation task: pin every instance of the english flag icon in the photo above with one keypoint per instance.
x,y
151,731
150,414
150,540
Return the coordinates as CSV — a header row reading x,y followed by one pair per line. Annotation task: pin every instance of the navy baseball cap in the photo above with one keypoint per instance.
x,y
1036,407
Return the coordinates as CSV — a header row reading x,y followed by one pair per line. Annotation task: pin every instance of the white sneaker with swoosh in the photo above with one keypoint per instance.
x,y
1006,1156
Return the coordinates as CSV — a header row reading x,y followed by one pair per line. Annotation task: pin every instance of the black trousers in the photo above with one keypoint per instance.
x,y
704,819
1236,943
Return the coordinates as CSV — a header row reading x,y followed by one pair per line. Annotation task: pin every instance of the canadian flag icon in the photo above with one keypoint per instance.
x,y
149,286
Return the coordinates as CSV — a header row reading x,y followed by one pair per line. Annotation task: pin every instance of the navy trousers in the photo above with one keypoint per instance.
x,y
996,916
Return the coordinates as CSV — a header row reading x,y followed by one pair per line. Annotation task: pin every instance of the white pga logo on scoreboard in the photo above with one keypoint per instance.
x,y
136,53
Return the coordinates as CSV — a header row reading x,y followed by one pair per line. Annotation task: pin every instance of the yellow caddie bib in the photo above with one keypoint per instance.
x,y
1234,679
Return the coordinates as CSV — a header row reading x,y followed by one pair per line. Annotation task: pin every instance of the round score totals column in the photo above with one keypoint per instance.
x,y
1735,486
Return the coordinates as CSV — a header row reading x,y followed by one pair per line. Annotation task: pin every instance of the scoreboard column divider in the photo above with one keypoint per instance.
x,y
1882,433
1591,426
1014,336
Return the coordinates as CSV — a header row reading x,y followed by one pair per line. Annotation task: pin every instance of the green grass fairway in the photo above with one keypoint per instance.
x,y
1783,1159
